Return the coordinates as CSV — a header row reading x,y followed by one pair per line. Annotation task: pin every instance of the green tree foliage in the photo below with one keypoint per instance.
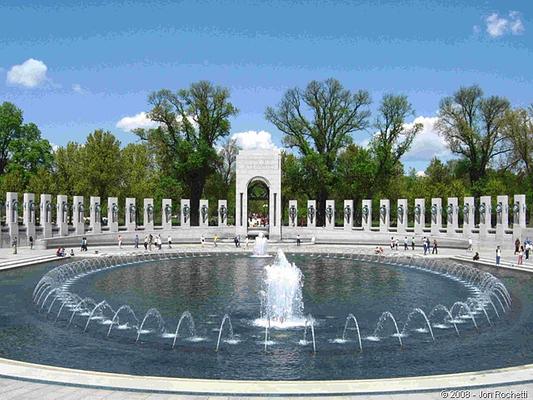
x,y
191,121
318,122
473,127
393,139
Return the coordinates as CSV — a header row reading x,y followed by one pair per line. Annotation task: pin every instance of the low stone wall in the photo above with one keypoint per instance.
x,y
189,235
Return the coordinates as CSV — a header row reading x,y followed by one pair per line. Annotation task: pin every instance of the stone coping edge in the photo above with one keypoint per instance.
x,y
103,380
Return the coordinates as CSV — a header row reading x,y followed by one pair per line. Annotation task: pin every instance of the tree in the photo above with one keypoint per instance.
x,y
190,122
518,130
318,122
228,157
139,173
473,128
101,166
21,145
67,163
393,138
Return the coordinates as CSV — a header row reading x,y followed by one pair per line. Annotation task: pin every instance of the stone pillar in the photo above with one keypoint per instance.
x,y
519,215
436,216
29,215
502,216
166,213
452,216
222,213
348,215
329,214
311,213
485,210
468,216
62,214
402,216
95,217
130,212
78,214
293,213
112,214
148,214
12,206
384,215
420,216
366,215
185,210
203,214
45,215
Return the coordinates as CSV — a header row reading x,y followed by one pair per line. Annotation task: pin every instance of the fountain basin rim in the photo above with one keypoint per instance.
x,y
153,384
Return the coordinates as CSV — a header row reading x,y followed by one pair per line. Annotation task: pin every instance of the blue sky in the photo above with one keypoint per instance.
x,y
92,63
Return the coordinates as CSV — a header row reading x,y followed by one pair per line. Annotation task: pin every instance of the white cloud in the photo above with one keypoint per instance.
x,y
498,26
31,73
428,143
78,88
139,120
420,173
250,140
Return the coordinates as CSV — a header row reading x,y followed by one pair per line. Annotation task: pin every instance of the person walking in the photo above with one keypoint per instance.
x,y
413,243
145,242
428,244
396,241
159,242
81,244
169,241
236,241
31,242
120,241
215,240
405,244
136,242
424,243
14,245
498,255
470,247
150,242
246,242
521,255
298,240
392,242
528,248
202,240
435,249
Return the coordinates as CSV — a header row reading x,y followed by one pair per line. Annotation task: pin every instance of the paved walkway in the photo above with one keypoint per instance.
x,y
11,389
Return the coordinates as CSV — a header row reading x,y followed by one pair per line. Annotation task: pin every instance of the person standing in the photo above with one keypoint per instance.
x,y
202,240
145,242
14,245
392,242
424,243
528,248
405,244
396,241
470,248
236,241
150,241
516,246
298,240
498,255
169,241
215,240
246,241
31,242
521,255
435,249
136,242
413,243
120,241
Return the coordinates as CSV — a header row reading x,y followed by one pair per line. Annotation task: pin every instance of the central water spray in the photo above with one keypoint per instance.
x,y
281,298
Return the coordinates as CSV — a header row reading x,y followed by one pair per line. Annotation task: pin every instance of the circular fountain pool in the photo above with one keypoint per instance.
x,y
360,317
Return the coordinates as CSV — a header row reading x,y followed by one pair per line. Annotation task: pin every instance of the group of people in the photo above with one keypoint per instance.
x,y
428,249
256,220
522,249
237,241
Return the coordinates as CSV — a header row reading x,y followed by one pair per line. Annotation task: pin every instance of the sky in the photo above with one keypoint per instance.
x,y
76,66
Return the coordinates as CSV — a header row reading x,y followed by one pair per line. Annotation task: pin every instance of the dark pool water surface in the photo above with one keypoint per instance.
x,y
210,287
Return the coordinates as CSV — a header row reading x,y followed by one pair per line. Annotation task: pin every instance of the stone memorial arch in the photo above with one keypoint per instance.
x,y
258,167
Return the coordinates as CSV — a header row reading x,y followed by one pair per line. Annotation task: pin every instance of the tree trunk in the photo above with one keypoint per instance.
x,y
197,189
321,207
